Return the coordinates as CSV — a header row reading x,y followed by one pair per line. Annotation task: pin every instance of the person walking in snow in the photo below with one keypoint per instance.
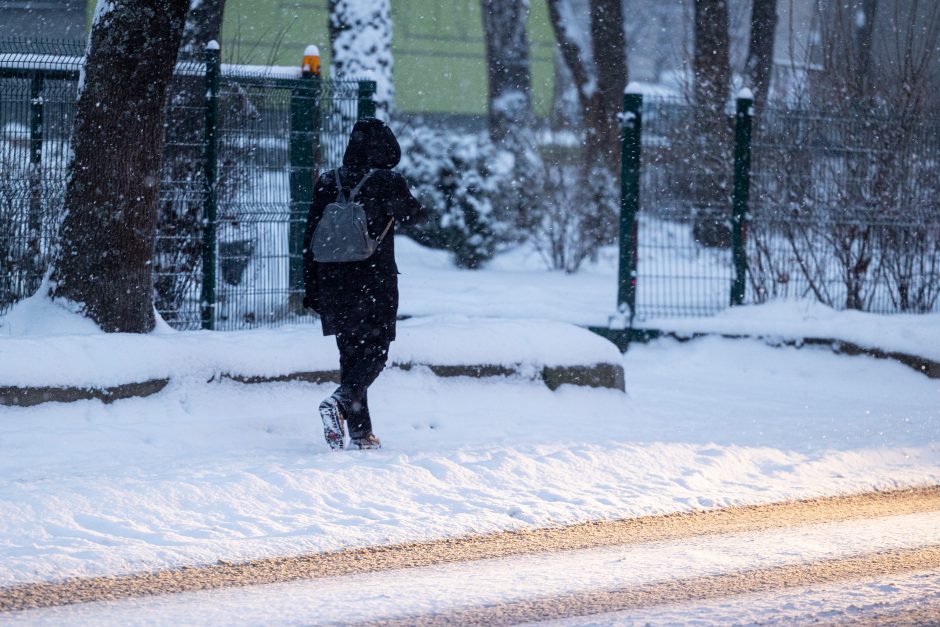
x,y
357,300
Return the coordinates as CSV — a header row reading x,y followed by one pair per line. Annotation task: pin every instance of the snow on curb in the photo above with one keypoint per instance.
x,y
85,363
925,366
798,320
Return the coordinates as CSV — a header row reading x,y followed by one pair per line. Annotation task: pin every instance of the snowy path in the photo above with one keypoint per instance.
x,y
202,473
548,584
585,536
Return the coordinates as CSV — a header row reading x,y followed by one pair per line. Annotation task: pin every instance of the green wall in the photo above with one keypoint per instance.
x,y
440,60
440,63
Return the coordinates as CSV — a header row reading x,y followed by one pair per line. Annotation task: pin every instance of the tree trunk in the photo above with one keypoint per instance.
x,y
600,80
760,55
848,39
610,61
507,64
578,60
361,42
203,24
864,21
711,153
106,242
711,65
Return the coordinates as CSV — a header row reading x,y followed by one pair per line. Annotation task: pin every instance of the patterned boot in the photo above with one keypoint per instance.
x,y
333,431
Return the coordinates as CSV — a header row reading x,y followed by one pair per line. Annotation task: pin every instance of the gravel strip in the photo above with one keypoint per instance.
x,y
380,558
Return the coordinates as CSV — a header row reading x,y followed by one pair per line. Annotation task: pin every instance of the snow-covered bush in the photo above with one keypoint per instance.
x,y
467,186
482,199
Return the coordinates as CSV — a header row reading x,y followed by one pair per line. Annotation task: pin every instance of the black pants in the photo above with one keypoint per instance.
x,y
361,361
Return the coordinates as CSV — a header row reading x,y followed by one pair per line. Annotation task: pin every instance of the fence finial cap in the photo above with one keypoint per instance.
x,y
746,93
212,45
311,61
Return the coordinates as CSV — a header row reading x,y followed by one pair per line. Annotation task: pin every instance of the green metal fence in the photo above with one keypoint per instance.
x,y
845,210
243,145
35,119
751,205
717,208
682,261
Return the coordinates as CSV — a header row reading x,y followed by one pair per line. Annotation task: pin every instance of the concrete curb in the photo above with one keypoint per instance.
x,y
16,396
923,365
597,375
623,338
928,367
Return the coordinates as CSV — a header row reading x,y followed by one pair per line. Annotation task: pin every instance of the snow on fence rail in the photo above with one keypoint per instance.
x,y
26,62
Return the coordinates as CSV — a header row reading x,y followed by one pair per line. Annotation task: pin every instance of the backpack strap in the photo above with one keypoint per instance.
x,y
379,239
355,190
339,187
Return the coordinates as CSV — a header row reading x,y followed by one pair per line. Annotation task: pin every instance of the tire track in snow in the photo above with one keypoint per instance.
x,y
586,604
463,549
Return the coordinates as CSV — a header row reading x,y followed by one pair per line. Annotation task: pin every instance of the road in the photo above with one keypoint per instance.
x,y
831,555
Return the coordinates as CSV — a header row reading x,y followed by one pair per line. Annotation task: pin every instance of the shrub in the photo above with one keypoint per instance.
x,y
467,186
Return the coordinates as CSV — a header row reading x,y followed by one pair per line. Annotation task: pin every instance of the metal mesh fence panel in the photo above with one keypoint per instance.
x,y
845,210
37,96
177,259
257,212
684,264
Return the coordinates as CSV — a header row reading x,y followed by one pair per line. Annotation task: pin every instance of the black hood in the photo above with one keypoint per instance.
x,y
372,145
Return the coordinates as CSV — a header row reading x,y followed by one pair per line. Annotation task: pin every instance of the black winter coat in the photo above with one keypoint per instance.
x,y
361,298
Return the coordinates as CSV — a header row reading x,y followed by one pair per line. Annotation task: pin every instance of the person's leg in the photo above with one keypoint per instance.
x,y
335,409
361,362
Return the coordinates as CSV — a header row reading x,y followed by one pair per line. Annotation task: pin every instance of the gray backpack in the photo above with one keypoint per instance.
x,y
342,234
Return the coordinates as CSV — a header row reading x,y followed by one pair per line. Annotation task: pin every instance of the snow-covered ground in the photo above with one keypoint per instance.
x,y
45,344
201,472
516,285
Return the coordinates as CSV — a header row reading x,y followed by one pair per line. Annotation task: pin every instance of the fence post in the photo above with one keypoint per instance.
x,y
303,150
210,172
632,130
366,102
742,191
